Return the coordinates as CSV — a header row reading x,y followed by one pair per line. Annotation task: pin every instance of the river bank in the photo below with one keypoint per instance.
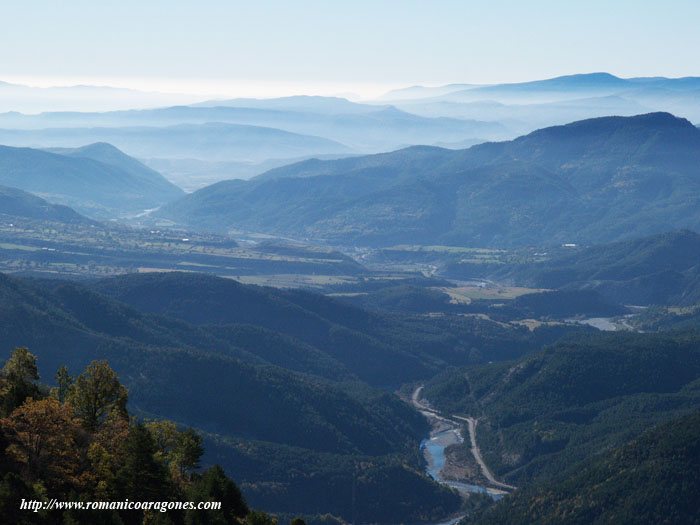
x,y
449,467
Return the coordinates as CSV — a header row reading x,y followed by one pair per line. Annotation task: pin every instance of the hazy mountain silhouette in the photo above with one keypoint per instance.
x,y
99,189
18,203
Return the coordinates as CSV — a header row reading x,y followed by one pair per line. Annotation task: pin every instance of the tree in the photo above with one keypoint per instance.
x,y
188,450
13,489
21,366
214,485
142,476
20,373
96,393
180,449
64,381
42,440
165,434
106,454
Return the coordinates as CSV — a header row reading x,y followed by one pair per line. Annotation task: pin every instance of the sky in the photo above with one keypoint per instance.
x,y
270,47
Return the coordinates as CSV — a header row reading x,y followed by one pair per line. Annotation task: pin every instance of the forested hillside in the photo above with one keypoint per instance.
x,y
652,479
555,408
77,443
239,385
660,269
380,348
98,189
592,181
18,203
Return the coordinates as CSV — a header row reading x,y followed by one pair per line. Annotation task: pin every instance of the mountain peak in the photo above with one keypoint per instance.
x,y
597,77
102,147
660,118
649,121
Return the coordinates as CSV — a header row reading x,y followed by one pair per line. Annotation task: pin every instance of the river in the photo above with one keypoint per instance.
x,y
444,434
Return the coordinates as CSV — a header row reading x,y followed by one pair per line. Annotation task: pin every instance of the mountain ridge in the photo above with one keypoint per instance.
x,y
91,186
590,181
17,203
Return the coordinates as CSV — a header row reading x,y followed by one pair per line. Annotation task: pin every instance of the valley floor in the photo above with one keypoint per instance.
x,y
446,465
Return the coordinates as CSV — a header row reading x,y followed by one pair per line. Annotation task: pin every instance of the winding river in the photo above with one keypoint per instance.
x,y
433,448
447,431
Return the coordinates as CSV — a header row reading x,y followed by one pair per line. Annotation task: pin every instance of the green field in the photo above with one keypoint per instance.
x,y
465,294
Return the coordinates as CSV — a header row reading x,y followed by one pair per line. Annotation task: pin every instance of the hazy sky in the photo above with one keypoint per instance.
x,y
336,46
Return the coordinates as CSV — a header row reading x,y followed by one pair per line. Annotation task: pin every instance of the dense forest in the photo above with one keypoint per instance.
x,y
551,410
77,442
288,390
651,479
238,384
383,349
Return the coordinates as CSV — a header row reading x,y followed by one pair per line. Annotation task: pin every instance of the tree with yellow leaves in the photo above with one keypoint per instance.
x,y
42,437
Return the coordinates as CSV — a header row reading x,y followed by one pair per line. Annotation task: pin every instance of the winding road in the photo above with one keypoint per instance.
x,y
471,426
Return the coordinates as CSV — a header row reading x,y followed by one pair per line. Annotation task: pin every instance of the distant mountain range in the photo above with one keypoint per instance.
x,y
415,92
212,141
254,132
18,97
588,182
240,138
300,103
526,106
589,83
583,85
97,180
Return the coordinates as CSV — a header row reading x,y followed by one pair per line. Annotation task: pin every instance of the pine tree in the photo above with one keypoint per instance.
x,y
20,375
64,381
142,477
96,393
215,486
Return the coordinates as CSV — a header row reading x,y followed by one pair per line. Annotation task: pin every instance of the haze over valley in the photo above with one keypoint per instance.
x,y
329,264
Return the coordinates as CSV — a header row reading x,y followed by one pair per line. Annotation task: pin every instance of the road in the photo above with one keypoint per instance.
x,y
471,425
416,396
